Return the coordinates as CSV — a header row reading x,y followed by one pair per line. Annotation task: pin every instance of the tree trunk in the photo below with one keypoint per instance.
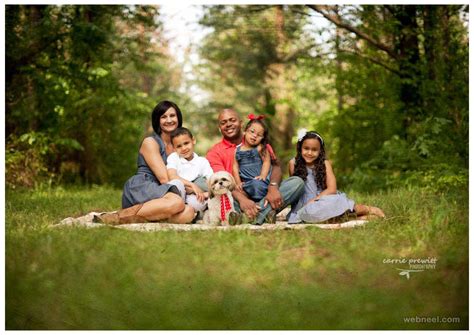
x,y
409,64
338,66
86,164
278,82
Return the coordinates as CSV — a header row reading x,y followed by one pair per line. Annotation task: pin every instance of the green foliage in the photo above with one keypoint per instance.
x,y
390,94
248,62
390,99
84,77
28,158
105,278
402,115
397,164
440,178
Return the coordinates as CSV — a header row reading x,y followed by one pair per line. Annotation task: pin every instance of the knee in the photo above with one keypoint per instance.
x,y
176,204
296,183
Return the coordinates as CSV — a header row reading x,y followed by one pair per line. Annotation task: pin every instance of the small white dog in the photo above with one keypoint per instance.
x,y
220,203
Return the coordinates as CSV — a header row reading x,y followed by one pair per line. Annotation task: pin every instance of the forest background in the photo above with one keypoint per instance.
x,y
387,87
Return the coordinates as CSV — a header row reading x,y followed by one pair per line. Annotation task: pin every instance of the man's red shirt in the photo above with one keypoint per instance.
x,y
221,156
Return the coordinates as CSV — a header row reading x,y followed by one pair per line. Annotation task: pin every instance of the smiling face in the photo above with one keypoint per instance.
x,y
230,125
254,134
169,120
310,150
184,146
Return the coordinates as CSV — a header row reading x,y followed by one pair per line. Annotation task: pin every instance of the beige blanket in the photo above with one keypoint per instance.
x,y
86,221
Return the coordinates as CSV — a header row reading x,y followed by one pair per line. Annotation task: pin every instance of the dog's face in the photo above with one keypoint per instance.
x,y
220,183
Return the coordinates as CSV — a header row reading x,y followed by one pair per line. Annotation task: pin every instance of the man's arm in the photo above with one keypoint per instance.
x,y
215,160
247,206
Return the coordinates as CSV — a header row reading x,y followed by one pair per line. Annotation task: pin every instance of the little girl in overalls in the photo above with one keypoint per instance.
x,y
252,162
321,200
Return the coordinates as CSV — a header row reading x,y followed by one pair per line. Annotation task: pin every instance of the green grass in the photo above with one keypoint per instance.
x,y
105,278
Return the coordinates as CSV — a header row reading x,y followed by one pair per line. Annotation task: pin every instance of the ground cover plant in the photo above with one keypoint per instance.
x,y
387,86
106,278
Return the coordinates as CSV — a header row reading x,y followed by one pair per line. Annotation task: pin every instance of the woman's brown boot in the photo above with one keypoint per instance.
x,y
123,216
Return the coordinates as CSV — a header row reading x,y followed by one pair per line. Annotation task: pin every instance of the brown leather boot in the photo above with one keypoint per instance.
x,y
123,216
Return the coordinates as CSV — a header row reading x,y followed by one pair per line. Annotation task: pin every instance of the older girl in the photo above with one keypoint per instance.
x,y
321,200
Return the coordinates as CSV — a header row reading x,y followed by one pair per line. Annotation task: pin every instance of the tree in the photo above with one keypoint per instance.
x,y
398,76
250,62
79,86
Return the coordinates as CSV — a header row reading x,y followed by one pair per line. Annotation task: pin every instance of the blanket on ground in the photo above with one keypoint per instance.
x,y
87,221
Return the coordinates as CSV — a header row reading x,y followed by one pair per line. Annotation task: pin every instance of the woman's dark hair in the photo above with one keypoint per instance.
x,y
265,134
319,168
180,131
161,109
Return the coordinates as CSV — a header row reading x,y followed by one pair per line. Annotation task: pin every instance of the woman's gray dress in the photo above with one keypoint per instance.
x,y
327,207
144,186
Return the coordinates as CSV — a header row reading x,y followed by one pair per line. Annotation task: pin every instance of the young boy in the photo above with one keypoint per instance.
x,y
191,169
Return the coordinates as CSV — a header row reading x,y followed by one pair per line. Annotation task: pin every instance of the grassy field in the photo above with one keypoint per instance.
x,y
104,278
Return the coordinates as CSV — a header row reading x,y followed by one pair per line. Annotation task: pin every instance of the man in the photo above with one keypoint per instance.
x,y
221,158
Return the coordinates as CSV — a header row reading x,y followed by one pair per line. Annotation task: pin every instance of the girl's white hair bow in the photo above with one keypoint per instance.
x,y
301,132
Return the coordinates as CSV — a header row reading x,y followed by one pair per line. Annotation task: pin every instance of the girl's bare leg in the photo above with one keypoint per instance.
x,y
367,212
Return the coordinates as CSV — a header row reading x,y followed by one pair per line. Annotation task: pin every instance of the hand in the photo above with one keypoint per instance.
x,y
249,207
189,189
259,178
199,193
273,198
240,187
202,196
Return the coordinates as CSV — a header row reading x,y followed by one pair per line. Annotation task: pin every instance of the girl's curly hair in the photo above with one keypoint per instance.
x,y
319,168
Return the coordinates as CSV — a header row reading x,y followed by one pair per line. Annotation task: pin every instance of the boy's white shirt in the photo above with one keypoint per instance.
x,y
189,170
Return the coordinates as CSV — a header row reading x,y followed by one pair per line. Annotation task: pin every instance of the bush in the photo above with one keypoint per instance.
x,y
31,158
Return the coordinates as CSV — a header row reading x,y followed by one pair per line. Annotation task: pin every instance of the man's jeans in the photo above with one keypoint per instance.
x,y
291,190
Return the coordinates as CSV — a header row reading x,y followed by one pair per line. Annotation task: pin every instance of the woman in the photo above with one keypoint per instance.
x,y
149,195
